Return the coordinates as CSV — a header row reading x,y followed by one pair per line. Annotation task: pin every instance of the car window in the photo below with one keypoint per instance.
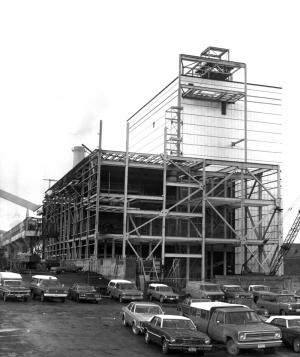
x,y
294,323
204,314
280,322
130,306
154,320
158,322
220,317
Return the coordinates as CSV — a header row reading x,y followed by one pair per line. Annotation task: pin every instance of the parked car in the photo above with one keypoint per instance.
x,y
290,329
248,301
236,326
161,292
83,292
257,290
47,287
279,304
184,306
123,290
234,292
198,289
13,287
136,313
69,268
176,333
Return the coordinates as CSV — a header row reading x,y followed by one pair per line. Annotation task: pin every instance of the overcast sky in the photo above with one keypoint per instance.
x,y
66,64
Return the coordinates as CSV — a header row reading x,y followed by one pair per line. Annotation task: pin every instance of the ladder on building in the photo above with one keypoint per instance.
x,y
282,251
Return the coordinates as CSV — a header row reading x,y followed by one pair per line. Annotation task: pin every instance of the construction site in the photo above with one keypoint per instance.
x,y
196,192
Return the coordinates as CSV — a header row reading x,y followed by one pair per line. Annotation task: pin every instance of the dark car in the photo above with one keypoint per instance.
x,y
234,292
174,332
279,304
83,292
248,301
290,329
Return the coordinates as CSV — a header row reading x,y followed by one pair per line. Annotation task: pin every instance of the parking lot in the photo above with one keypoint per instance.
x,y
73,329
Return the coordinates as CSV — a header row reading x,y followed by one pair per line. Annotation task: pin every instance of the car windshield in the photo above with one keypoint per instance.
x,y
155,310
127,286
85,288
179,324
242,317
286,298
213,288
233,288
51,283
294,323
13,283
261,288
165,289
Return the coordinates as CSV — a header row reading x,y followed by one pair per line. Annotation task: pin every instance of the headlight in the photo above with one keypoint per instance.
x,y
207,341
277,335
242,336
82,295
172,339
290,307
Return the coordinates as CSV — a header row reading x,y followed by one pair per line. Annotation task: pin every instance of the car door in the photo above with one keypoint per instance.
x,y
217,328
153,326
282,324
129,312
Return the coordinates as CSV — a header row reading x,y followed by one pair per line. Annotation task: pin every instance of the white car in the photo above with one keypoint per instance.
x,y
136,313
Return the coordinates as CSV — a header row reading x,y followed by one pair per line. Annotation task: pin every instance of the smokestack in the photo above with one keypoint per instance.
x,y
78,154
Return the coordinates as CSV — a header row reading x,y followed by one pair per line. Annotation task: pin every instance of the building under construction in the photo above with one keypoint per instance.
x,y
196,192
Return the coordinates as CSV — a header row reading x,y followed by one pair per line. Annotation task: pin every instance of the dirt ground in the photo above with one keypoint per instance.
x,y
55,329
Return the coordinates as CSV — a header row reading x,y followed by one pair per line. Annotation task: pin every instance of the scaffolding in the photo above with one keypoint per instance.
x,y
192,194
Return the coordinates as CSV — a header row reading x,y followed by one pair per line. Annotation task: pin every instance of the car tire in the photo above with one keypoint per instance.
x,y
147,338
296,345
165,347
232,348
63,299
120,299
32,294
150,297
125,324
42,297
77,299
161,299
25,299
4,297
282,312
135,329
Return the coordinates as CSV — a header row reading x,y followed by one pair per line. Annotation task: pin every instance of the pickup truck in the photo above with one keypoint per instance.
x,y
257,290
204,290
236,326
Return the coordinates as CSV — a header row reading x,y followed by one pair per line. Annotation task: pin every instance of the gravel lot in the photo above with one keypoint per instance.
x,y
70,329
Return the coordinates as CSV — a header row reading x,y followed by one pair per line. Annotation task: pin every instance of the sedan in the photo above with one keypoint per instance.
x,y
174,332
290,329
136,313
83,292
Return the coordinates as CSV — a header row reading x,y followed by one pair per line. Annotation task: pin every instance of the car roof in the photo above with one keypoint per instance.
x,y
232,285
234,308
45,277
156,285
259,285
10,275
145,304
285,317
208,305
172,317
120,281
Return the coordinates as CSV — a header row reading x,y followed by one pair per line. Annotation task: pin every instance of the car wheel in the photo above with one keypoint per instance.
x,y
232,348
135,329
125,324
165,347
282,312
25,299
32,294
42,297
77,299
4,297
63,299
161,299
147,337
150,297
120,299
296,345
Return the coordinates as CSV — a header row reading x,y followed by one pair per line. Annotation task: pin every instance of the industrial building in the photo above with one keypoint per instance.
x,y
196,192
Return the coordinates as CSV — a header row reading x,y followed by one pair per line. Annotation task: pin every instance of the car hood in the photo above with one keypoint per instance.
x,y
257,327
131,292
184,333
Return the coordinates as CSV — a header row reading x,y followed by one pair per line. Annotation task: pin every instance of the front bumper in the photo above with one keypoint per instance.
x,y
187,348
259,345
49,295
17,295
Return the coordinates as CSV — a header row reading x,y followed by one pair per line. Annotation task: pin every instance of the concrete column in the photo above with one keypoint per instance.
x,y
225,261
211,261
187,274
